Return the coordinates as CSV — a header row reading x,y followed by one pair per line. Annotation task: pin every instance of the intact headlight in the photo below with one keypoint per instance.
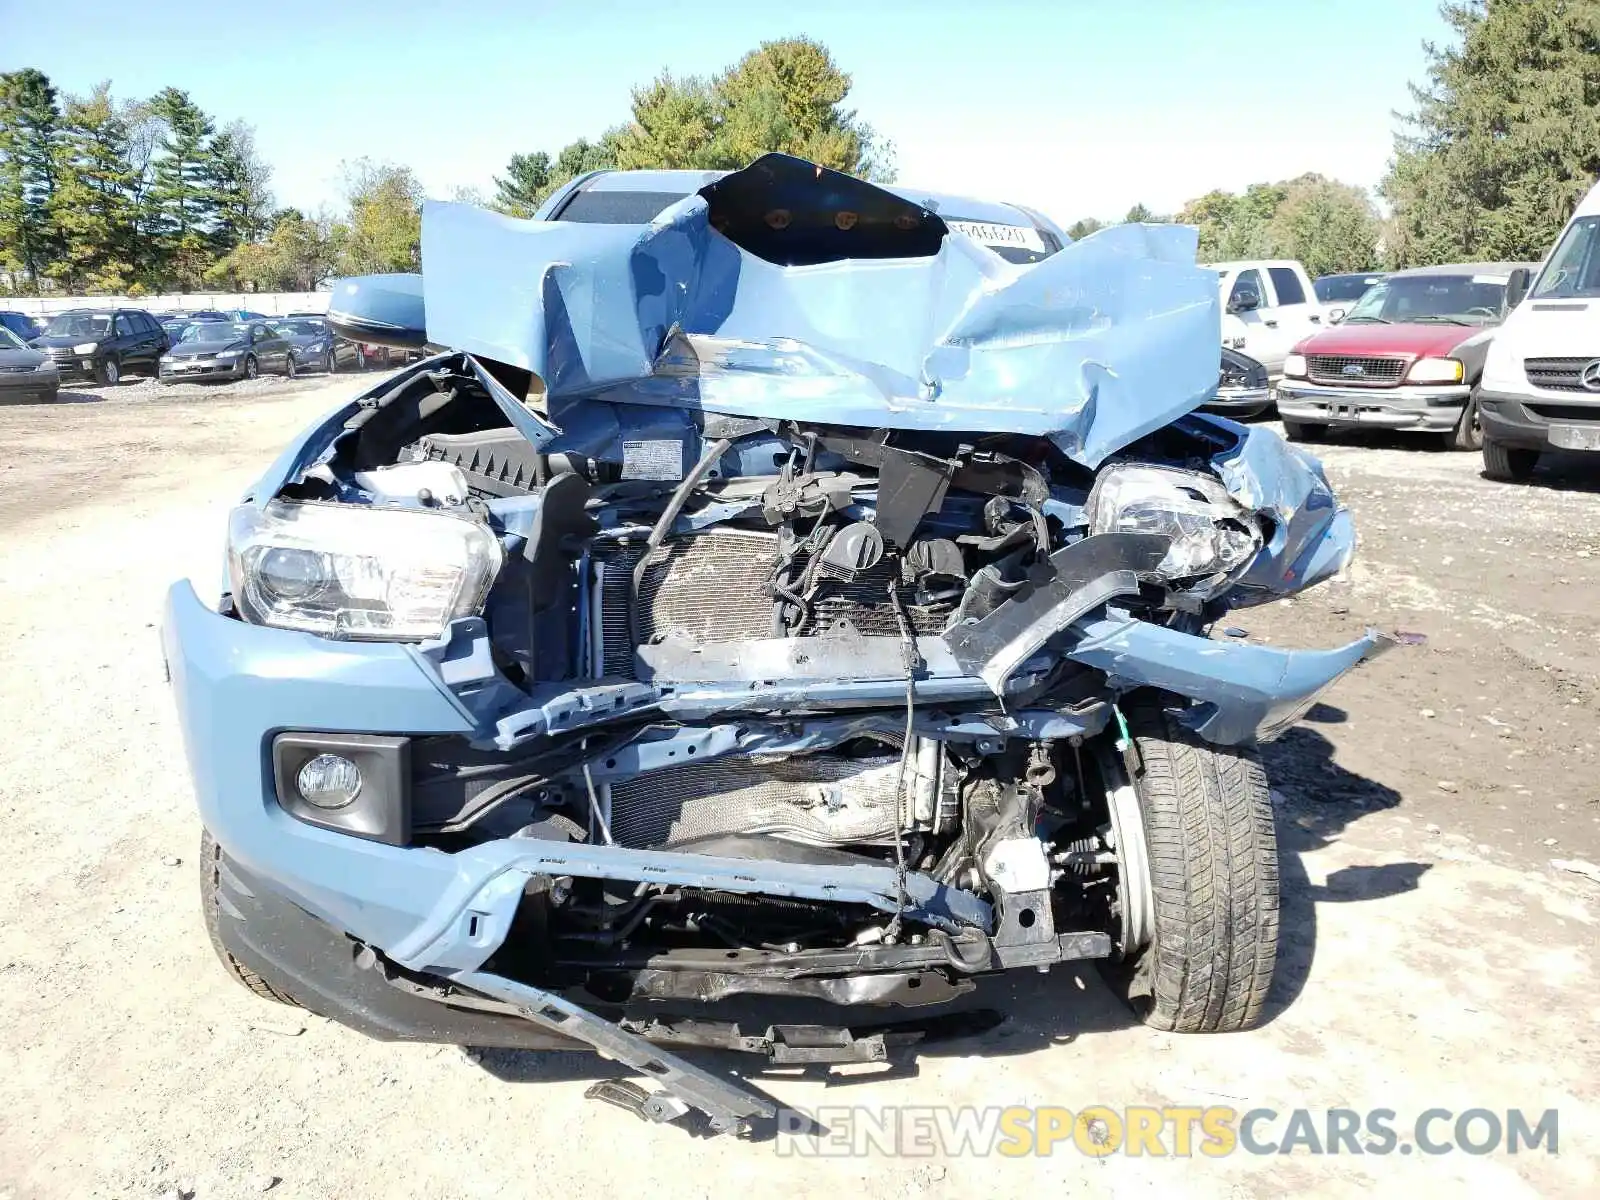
x,y
1436,370
229,353
1211,533
354,571
86,348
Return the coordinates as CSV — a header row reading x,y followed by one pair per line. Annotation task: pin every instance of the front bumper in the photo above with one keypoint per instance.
x,y
1525,421
1412,407
73,368
203,369
25,387
238,685
1239,402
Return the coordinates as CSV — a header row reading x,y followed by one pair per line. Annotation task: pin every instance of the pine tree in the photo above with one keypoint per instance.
x,y
30,127
1506,134
182,191
524,185
92,208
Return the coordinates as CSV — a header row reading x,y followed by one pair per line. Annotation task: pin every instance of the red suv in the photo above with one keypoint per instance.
x,y
1407,356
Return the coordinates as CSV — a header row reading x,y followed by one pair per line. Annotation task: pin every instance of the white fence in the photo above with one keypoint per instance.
x,y
270,303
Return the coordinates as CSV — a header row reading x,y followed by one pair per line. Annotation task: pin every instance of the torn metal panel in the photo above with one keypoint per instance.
x,y
729,1107
1312,533
1081,578
1107,340
1246,693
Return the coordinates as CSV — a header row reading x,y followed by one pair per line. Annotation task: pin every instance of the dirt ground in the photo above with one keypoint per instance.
x,y
1433,956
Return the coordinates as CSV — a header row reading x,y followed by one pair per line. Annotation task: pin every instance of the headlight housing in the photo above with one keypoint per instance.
x,y
1436,370
1294,366
86,348
229,353
1212,535
355,571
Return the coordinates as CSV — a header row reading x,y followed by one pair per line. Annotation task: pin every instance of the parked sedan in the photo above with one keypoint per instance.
x,y
25,374
316,347
235,350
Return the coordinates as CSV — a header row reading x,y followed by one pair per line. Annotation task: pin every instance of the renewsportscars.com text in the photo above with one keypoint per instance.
x,y
1181,1131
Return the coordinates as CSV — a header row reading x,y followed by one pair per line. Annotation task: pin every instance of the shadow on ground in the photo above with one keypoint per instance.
x,y
1318,799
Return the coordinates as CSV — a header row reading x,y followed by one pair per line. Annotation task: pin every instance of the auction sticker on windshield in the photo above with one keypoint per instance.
x,y
1024,236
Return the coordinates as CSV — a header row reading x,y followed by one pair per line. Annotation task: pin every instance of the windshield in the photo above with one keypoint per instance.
x,y
79,324
618,208
1574,267
10,341
1432,299
1333,288
304,328
214,331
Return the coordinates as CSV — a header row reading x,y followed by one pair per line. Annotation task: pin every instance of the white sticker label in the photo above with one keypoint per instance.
x,y
652,458
1024,236
1487,279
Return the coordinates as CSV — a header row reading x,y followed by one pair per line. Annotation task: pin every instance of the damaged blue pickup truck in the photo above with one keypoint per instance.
x,y
783,595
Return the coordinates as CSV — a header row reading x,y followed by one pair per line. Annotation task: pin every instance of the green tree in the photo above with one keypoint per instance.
x,y
526,181
92,208
787,96
240,187
182,191
30,127
1083,227
298,255
1328,226
1505,136
385,227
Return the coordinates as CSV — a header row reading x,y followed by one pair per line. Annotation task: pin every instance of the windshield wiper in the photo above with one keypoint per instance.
x,y
1439,317
1366,320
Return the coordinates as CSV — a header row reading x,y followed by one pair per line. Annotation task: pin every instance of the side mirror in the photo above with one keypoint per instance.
x,y
1335,315
1246,301
1517,286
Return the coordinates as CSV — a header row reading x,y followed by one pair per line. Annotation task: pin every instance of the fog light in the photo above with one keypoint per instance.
x,y
329,781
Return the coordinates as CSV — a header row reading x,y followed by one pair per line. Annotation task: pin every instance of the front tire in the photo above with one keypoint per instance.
x,y
1211,862
1468,433
289,368
212,864
1302,431
108,372
251,367
1509,464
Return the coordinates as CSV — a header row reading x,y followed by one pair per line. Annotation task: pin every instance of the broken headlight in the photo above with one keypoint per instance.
x,y
1212,535
358,572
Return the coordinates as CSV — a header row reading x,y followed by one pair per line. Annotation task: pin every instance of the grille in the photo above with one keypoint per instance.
x,y
1565,412
821,799
1355,371
1557,374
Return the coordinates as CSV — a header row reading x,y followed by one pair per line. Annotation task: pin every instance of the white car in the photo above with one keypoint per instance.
x,y
1268,306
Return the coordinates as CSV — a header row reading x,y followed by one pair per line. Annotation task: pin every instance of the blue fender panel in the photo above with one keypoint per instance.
x,y
1246,693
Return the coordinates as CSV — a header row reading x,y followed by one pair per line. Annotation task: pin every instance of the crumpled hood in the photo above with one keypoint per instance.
x,y
788,291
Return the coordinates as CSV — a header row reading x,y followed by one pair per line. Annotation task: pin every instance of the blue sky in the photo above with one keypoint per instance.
x,y
1077,107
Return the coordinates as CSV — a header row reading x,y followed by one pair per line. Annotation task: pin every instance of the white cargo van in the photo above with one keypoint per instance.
x,y
1541,380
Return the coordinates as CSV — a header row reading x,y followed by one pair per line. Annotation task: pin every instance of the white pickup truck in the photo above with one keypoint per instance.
x,y
1267,306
